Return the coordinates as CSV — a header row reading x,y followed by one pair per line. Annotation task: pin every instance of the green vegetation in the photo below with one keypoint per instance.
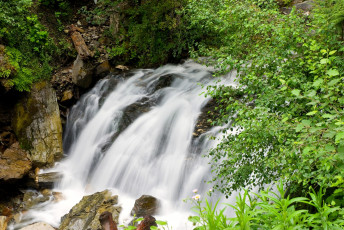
x,y
289,101
144,33
270,210
29,50
28,46
287,107
286,114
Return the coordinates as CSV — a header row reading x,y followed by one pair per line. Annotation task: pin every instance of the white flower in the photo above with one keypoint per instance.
x,y
210,190
195,190
196,197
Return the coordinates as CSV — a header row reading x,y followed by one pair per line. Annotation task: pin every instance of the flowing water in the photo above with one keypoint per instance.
x,y
134,134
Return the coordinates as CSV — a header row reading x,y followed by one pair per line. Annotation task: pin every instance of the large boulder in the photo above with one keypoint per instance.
x,y
38,226
85,215
14,163
145,206
37,124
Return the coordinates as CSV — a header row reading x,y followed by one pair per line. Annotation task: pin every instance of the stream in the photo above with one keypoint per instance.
x,y
134,134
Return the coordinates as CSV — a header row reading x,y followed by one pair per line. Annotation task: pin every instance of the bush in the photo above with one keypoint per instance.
x,y
270,210
289,99
28,46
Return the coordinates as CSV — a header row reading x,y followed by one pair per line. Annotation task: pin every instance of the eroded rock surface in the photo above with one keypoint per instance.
x,y
14,163
85,215
37,124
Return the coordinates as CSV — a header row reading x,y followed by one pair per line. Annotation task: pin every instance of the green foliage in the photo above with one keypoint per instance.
x,y
28,46
162,225
154,32
288,102
270,210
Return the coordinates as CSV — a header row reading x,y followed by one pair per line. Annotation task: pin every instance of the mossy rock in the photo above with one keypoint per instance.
x,y
37,124
85,214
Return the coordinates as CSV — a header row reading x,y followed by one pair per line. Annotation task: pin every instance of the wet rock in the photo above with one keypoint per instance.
x,y
32,198
203,125
145,205
162,82
3,222
147,223
58,196
47,180
122,67
82,73
37,124
67,95
85,215
103,69
107,222
38,226
14,163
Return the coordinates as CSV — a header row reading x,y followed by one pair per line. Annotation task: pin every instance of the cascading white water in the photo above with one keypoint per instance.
x,y
135,135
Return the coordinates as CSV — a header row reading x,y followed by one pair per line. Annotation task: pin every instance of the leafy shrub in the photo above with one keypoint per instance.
x,y
289,100
28,46
270,210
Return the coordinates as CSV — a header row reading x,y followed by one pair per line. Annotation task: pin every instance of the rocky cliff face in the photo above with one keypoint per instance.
x,y
36,123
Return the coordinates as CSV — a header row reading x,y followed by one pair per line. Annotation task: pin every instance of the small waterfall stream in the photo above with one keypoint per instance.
x,y
134,135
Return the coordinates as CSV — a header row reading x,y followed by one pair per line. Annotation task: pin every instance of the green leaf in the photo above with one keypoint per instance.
x,y
296,92
194,219
312,93
332,52
330,148
333,82
318,82
329,116
339,136
306,122
159,222
312,113
299,127
332,72
324,61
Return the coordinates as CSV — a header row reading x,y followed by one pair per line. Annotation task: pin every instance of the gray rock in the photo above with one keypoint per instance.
x,y
38,226
85,215
37,124
145,206
305,6
47,180
81,73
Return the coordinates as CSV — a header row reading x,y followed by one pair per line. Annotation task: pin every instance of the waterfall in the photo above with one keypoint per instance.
x,y
134,134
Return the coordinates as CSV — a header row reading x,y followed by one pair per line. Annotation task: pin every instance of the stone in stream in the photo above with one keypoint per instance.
x,y
144,206
147,223
38,226
47,180
107,222
85,215
37,124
